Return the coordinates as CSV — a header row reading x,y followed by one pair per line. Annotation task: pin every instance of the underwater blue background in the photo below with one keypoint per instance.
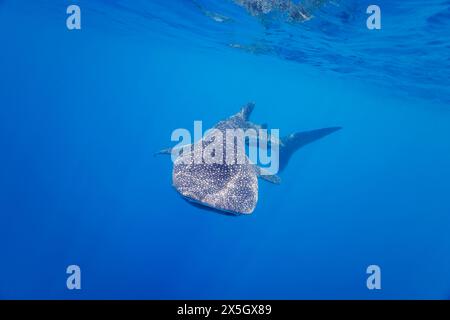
x,y
82,113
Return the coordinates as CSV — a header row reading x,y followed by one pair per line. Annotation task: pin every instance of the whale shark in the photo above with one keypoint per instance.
x,y
232,188
295,11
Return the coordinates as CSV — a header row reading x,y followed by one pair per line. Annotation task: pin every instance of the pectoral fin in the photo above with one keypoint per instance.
x,y
163,151
176,150
272,179
265,175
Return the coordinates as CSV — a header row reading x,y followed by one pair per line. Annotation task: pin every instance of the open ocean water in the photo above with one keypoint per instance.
x,y
83,111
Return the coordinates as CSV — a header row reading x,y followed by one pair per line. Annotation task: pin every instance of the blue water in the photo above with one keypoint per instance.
x,y
83,111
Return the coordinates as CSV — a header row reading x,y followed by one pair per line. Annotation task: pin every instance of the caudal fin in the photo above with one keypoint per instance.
x,y
290,144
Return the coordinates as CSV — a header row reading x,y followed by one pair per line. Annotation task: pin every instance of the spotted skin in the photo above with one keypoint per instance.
x,y
231,188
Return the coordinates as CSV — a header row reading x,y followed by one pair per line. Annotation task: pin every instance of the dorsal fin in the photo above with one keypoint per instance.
x,y
246,111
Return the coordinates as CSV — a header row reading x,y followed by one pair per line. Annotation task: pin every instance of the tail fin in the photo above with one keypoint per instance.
x,y
290,144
